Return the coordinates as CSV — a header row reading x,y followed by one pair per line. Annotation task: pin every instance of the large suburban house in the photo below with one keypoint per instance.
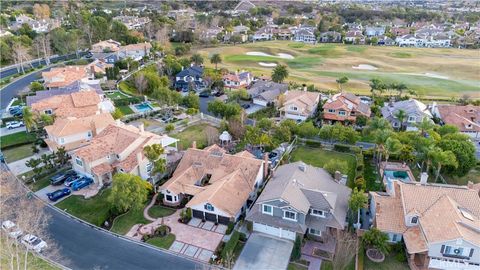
x,y
415,112
190,78
39,26
135,51
331,37
237,80
218,186
374,31
111,51
265,93
465,118
305,35
354,36
299,105
301,200
118,148
74,132
133,22
58,77
439,224
344,107
106,46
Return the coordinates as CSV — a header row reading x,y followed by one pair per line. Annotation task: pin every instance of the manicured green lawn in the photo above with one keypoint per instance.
x,y
370,176
319,157
116,95
162,242
294,266
42,181
95,210
158,211
327,265
190,134
126,88
122,224
17,153
390,263
125,109
16,138
238,249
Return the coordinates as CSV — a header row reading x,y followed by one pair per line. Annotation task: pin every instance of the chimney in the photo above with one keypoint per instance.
x,y
194,144
141,127
423,178
265,166
302,167
92,70
305,88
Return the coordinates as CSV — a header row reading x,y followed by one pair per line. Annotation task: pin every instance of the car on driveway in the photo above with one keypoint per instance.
x,y
58,194
12,229
204,94
14,109
72,179
83,182
58,178
246,106
34,243
15,124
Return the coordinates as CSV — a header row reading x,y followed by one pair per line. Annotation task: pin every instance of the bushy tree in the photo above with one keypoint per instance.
x,y
117,114
36,86
154,153
191,101
128,192
376,239
307,130
334,165
216,59
279,73
339,132
464,151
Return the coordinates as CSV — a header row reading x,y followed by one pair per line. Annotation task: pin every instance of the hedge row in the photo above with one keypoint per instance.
x,y
231,244
16,139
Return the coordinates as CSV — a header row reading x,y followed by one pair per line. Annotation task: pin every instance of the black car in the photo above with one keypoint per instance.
x,y
219,93
204,94
58,178
246,106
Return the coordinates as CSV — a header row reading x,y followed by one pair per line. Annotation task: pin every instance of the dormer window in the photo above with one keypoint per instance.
x,y
267,209
414,220
469,126
331,110
209,207
318,213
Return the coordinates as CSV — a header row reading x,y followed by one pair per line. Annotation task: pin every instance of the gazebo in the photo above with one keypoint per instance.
x,y
225,138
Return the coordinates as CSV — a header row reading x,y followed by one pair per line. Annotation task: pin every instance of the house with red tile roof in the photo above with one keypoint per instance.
x,y
58,77
119,148
345,108
465,118
299,105
237,80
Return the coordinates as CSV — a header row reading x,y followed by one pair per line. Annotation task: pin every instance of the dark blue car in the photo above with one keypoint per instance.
x,y
58,194
72,179
83,182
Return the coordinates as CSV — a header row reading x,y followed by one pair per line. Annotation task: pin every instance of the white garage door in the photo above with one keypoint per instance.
x,y
278,232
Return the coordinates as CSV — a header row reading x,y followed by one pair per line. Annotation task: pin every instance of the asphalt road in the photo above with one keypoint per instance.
x,y
204,104
83,247
12,90
13,70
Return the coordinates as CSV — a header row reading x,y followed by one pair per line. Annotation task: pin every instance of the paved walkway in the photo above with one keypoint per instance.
x,y
315,263
145,211
18,167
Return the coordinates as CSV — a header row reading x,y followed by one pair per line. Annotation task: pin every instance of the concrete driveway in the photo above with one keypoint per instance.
x,y
264,252
5,131
42,193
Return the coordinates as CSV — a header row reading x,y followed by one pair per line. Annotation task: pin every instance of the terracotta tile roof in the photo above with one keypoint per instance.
x,y
102,45
102,169
389,214
64,76
415,240
304,100
77,104
134,47
466,118
347,102
232,177
72,125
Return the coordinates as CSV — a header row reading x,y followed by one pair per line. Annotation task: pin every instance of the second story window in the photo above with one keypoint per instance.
x,y
331,110
209,207
414,220
318,213
412,119
79,161
267,209
289,215
342,113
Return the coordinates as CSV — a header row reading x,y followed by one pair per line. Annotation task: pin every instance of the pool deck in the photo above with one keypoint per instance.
x,y
396,166
136,110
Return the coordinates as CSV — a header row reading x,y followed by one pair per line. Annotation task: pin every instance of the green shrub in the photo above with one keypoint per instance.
x,y
127,101
401,256
231,244
169,128
243,237
230,228
249,226
342,147
297,248
313,144
162,230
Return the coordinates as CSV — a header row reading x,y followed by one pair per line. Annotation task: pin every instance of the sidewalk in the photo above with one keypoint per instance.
x,y
18,167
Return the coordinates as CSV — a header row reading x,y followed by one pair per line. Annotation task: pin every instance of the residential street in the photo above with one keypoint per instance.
x,y
11,90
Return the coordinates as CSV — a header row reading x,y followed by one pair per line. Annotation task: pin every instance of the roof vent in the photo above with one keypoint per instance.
x,y
302,167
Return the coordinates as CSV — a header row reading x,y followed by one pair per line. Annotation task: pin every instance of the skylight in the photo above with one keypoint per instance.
x,y
466,214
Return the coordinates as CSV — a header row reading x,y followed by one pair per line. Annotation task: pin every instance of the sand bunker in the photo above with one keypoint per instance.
x,y
365,67
263,64
433,75
279,55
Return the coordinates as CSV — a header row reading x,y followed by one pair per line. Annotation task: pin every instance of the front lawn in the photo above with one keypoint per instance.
x,y
370,175
127,88
158,211
17,153
318,157
95,210
125,109
193,133
162,242
390,263
116,95
16,138
123,223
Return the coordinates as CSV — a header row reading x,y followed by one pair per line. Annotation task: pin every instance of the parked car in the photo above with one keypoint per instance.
x,y
17,113
58,178
219,93
204,94
12,229
58,194
84,182
34,243
72,179
246,106
15,124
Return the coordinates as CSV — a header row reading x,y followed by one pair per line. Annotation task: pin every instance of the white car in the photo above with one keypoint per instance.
x,y
15,124
34,243
12,229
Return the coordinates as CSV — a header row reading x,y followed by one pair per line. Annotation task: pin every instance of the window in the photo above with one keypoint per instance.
x,y
108,157
412,119
62,140
169,198
342,113
148,167
331,110
209,207
318,213
289,215
79,161
118,156
267,209
293,108
395,124
315,232
414,220
49,112
89,134
394,238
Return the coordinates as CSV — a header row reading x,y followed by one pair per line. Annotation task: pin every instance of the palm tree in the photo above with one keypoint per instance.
x,y
381,136
34,163
216,59
341,81
425,125
378,123
28,118
444,158
279,73
47,160
392,146
400,88
197,59
401,115
376,85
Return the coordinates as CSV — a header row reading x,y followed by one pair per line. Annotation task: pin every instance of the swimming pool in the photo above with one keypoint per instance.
x,y
402,175
143,107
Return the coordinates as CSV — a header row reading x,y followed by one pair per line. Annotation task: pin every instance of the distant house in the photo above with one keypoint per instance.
x,y
106,46
265,93
39,26
284,34
265,33
344,107
384,40
301,200
331,37
111,51
374,31
299,105
415,110
305,35
187,13
438,223
190,78
465,118
219,186
58,77
211,33
353,26
355,37
237,80
133,22
118,148
243,7
135,51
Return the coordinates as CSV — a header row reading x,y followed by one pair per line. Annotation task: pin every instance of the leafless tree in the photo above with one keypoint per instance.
x,y
345,250
162,37
140,82
236,128
29,215
43,43
20,55
212,135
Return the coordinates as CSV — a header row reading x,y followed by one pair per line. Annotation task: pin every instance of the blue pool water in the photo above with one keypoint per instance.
x,y
143,107
397,175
